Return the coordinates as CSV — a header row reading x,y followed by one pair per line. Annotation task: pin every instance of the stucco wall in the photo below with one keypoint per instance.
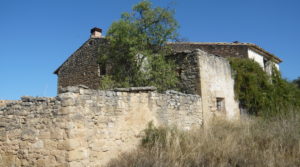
x,y
216,81
83,127
256,57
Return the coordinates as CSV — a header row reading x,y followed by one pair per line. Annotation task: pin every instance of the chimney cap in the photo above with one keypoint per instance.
x,y
96,29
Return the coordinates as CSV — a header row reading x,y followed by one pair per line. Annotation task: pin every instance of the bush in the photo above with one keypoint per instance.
x,y
260,93
255,142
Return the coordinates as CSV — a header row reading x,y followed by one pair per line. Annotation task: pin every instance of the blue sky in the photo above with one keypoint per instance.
x,y
36,36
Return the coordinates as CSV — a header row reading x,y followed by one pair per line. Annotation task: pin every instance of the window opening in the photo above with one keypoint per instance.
x,y
220,104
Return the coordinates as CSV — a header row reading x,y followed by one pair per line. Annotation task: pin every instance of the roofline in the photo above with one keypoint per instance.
x,y
56,71
251,45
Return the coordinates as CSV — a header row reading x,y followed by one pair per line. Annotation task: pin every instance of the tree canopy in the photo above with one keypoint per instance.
x,y
137,47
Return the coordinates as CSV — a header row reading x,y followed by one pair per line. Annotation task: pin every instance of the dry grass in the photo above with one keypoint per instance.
x,y
251,142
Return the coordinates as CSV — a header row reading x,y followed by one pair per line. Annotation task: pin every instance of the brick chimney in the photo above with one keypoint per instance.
x,y
96,32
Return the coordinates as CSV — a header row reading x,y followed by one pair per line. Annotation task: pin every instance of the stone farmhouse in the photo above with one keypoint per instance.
x,y
202,68
85,126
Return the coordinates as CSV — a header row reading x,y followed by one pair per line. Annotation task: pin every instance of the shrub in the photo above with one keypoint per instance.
x,y
260,93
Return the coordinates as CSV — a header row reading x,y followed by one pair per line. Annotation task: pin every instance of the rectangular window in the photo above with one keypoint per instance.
x,y
101,70
220,104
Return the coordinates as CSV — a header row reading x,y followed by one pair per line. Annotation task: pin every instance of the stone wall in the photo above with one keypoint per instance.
x,y
224,50
210,77
82,68
188,71
83,127
4,102
31,132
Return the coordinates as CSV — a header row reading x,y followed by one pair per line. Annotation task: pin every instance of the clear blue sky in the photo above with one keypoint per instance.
x,y
36,36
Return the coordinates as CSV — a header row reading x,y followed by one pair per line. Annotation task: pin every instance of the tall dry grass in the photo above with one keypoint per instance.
x,y
252,142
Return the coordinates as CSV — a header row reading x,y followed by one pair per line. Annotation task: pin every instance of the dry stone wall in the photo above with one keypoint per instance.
x,y
225,50
83,127
31,131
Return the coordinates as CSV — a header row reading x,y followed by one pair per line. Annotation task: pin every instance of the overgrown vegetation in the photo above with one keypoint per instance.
x,y
136,50
256,142
260,93
297,82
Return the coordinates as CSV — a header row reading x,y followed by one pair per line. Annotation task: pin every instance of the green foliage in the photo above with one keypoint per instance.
x,y
260,93
154,135
107,82
159,136
297,82
136,50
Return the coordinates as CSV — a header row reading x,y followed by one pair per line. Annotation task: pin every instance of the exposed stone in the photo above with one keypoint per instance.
x,y
136,89
84,127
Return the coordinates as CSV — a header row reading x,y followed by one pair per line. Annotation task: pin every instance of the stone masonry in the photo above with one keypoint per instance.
x,y
84,127
81,68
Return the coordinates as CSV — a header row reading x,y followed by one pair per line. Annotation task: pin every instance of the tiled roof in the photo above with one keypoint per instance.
x,y
250,45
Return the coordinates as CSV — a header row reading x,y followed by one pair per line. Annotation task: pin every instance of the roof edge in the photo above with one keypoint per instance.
x,y
57,70
252,45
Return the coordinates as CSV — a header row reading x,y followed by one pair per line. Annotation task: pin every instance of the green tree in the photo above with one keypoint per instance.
x,y
136,48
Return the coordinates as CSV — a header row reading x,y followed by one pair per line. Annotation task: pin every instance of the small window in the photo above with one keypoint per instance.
x,y
220,104
101,70
265,63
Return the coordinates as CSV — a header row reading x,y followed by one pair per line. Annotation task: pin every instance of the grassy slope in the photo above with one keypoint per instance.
x,y
251,142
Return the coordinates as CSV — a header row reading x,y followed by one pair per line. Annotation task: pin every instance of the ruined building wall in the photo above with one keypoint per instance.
x,y
224,50
217,87
82,67
83,127
188,72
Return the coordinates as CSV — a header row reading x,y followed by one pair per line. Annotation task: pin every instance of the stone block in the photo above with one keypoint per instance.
x,y
76,133
57,134
38,144
67,110
76,155
75,164
69,144
44,135
28,134
50,144
68,102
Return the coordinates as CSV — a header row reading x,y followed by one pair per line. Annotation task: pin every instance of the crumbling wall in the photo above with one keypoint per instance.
x,y
83,127
188,71
106,123
216,82
225,50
